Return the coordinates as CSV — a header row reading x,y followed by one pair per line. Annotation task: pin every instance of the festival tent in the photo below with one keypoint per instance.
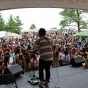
x,y
81,34
2,34
29,30
12,35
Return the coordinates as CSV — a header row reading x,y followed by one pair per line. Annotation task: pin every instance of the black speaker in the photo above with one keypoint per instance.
x,y
77,61
7,79
14,69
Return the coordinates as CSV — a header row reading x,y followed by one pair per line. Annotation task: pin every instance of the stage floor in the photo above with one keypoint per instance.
x,y
66,76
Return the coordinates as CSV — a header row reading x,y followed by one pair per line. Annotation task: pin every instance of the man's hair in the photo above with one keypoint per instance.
x,y
42,32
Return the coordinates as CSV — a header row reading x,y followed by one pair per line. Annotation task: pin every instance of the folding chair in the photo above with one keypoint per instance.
x,y
7,79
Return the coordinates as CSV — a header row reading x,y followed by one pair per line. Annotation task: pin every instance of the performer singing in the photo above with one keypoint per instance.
x,y
44,46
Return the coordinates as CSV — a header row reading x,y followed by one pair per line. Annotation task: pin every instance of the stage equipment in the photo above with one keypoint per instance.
x,y
7,79
76,62
14,69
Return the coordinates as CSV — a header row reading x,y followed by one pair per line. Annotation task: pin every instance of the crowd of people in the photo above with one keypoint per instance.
x,y
65,47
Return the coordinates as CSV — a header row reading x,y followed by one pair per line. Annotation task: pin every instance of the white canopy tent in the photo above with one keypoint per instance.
x,y
13,35
29,30
14,4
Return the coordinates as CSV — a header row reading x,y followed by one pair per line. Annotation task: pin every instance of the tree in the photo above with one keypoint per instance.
x,y
14,24
2,23
76,16
33,26
18,23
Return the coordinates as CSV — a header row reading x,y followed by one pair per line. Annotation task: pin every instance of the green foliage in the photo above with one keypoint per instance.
x,y
2,23
73,16
13,24
33,26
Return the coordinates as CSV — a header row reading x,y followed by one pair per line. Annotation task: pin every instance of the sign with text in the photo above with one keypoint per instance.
x,y
14,4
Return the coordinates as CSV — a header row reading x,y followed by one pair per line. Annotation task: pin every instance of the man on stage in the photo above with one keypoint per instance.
x,y
44,46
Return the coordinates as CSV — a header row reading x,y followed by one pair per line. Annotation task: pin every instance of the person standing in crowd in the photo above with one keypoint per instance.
x,y
43,45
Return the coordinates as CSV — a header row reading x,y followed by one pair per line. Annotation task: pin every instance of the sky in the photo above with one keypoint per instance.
x,y
41,17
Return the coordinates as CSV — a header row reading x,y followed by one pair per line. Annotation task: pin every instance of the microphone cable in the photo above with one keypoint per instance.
x,y
55,84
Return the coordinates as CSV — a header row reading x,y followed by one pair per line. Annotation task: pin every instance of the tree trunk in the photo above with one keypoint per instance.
x,y
78,27
78,22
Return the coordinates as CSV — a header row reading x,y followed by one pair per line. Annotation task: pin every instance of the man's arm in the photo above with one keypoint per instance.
x,y
34,51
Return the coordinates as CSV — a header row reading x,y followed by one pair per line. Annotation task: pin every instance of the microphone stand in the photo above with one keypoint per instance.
x,y
33,69
34,80
33,65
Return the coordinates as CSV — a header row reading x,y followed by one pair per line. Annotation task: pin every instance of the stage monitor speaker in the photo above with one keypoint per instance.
x,y
13,69
77,61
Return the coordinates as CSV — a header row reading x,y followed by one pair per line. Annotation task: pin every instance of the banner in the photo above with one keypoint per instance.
x,y
14,4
